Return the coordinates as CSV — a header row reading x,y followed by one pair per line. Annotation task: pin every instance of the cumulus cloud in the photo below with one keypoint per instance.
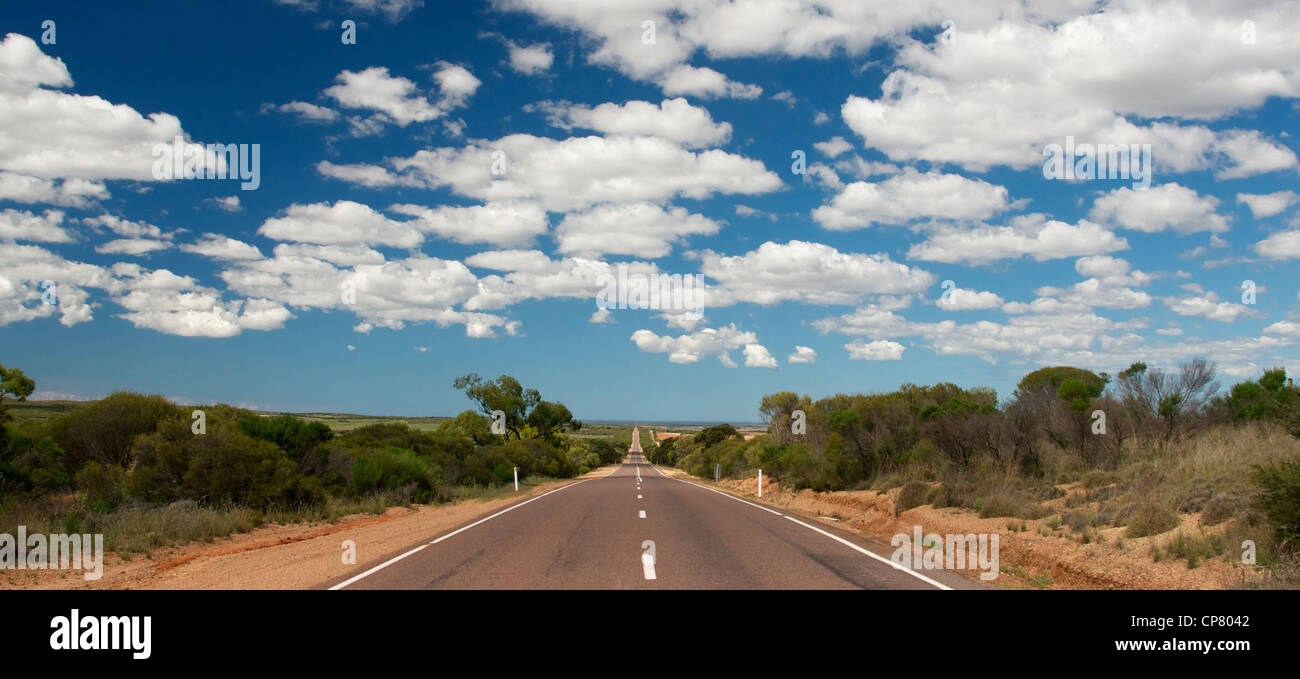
x,y
640,229
1033,235
574,173
1268,204
911,195
504,224
221,247
807,272
344,222
48,134
717,342
46,227
672,119
1010,86
802,354
879,350
1168,206
757,356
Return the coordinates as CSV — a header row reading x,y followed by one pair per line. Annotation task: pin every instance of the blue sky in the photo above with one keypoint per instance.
x,y
383,254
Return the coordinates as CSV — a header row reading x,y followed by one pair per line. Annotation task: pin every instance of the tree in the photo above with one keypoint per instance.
x,y
1164,402
16,384
521,407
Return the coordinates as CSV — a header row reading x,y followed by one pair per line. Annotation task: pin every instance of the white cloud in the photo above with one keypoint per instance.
x,y
673,119
392,10
802,354
1268,204
177,305
807,272
1281,245
1007,87
575,173
1031,235
132,246
308,111
757,356
504,224
46,227
530,59
49,134
344,222
455,83
640,229
23,272
1155,209
1206,306
834,146
22,188
374,89
879,350
962,299
342,255
124,227
228,203
690,348
911,195
221,247
705,82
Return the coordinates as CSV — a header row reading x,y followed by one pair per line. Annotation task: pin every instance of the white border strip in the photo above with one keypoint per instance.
x,y
458,531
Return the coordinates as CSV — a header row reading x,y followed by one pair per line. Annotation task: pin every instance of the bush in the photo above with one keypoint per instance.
x,y
1151,519
106,429
105,487
294,436
222,466
1279,497
391,468
913,494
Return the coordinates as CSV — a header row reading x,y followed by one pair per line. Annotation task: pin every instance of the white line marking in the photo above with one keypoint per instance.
x,y
395,559
643,513
614,472
832,536
648,565
638,497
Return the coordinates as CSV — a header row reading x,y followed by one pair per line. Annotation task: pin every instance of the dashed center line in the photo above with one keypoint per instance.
x,y
643,513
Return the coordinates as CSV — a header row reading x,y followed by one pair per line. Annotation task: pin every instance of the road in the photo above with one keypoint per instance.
x,y
639,529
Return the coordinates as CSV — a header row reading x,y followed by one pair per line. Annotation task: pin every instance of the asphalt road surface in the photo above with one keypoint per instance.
x,y
639,529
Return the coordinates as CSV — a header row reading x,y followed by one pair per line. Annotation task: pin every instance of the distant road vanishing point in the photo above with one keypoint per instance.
x,y
637,528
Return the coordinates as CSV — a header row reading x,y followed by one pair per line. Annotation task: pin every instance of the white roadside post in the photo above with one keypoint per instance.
x,y
516,478
760,483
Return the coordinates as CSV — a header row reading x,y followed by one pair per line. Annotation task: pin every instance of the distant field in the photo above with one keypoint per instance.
x,y
39,410
344,422
341,422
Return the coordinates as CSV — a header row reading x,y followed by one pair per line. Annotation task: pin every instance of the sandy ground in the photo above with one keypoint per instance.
x,y
1025,554
295,556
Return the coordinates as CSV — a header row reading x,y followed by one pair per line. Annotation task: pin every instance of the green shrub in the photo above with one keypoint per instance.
x,y
392,468
106,429
222,466
1279,497
104,486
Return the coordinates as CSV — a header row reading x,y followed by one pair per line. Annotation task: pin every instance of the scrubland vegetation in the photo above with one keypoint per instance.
x,y
1135,450
133,467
